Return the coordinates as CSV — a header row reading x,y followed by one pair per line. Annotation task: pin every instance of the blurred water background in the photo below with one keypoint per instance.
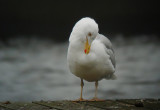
x,y
34,42
35,69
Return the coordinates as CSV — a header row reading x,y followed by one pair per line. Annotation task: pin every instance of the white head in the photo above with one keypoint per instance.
x,y
84,31
85,27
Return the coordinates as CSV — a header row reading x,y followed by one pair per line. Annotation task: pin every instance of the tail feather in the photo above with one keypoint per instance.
x,y
111,77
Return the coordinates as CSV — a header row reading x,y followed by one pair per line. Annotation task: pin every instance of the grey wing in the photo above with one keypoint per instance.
x,y
112,56
109,48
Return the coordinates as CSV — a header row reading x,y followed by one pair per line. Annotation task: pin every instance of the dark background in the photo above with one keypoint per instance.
x,y
55,19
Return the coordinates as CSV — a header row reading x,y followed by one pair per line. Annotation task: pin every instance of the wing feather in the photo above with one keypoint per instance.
x,y
109,49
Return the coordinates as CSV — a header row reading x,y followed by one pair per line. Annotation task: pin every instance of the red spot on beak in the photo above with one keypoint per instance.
x,y
85,50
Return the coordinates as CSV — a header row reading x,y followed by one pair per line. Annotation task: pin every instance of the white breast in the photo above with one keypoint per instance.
x,y
92,67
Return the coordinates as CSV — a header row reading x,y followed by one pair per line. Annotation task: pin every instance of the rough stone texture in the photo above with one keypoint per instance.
x,y
120,104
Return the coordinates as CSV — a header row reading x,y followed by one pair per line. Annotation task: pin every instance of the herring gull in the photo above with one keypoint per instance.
x,y
90,54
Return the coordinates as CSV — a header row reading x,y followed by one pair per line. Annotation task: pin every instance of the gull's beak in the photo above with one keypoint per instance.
x,y
87,46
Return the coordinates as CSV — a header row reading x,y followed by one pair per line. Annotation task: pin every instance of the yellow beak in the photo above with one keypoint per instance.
x,y
87,47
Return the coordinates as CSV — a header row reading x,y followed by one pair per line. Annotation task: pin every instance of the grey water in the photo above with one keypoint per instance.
x,y
36,69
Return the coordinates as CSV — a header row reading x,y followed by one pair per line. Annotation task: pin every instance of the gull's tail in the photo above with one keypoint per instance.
x,y
111,77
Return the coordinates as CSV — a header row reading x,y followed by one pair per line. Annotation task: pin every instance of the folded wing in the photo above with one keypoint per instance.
x,y
109,48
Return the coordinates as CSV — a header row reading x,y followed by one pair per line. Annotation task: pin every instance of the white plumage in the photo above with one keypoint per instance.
x,y
90,54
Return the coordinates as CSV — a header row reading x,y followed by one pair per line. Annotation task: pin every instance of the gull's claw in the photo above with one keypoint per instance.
x,y
80,100
96,99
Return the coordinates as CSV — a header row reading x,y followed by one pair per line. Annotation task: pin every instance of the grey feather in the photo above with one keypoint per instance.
x,y
109,49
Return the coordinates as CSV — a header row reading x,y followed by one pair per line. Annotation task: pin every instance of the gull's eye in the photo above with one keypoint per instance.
x,y
89,34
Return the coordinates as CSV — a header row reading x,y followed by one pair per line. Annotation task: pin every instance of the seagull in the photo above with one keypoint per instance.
x,y
90,54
